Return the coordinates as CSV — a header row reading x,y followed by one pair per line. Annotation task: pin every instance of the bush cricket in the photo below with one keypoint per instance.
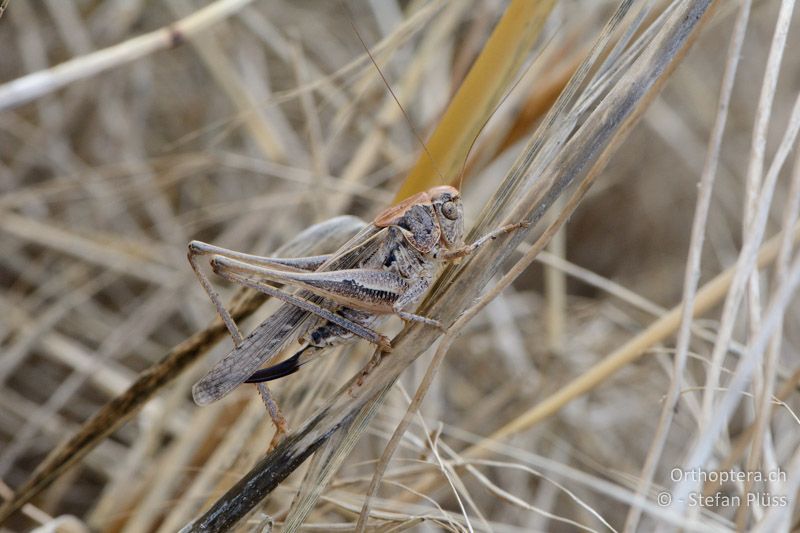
x,y
385,269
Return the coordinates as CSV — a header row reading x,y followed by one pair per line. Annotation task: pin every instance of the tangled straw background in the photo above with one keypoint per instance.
x,y
272,119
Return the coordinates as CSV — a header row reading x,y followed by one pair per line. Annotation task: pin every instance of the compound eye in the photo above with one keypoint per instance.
x,y
450,210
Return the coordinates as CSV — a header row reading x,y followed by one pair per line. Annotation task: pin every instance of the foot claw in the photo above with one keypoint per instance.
x,y
279,435
518,225
385,344
372,363
410,317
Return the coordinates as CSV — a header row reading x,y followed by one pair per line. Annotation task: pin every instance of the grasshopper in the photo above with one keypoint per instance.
x,y
385,269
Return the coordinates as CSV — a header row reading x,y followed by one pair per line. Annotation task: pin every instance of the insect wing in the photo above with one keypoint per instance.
x,y
269,338
280,328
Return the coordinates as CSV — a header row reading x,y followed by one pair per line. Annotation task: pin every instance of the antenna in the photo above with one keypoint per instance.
x,y
394,96
485,122
408,120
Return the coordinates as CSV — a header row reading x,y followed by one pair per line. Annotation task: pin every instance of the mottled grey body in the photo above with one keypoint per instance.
x,y
385,269
395,274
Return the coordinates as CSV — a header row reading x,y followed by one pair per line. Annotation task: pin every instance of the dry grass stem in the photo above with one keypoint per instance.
x,y
35,85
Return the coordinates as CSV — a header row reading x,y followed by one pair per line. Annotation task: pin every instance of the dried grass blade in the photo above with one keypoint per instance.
x,y
484,87
326,462
32,86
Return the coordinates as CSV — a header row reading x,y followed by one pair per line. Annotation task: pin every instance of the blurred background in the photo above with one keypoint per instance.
x,y
273,119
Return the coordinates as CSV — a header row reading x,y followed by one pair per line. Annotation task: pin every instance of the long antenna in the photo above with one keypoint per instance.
x,y
394,96
492,114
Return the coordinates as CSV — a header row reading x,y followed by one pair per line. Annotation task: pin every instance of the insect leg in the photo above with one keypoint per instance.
x,y
361,331
309,263
226,317
281,427
197,248
349,287
411,296
264,342
411,317
469,248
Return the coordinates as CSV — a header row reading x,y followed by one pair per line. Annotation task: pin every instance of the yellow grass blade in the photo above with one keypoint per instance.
x,y
483,88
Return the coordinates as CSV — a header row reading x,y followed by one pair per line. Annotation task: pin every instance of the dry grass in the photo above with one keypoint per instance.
x,y
566,400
